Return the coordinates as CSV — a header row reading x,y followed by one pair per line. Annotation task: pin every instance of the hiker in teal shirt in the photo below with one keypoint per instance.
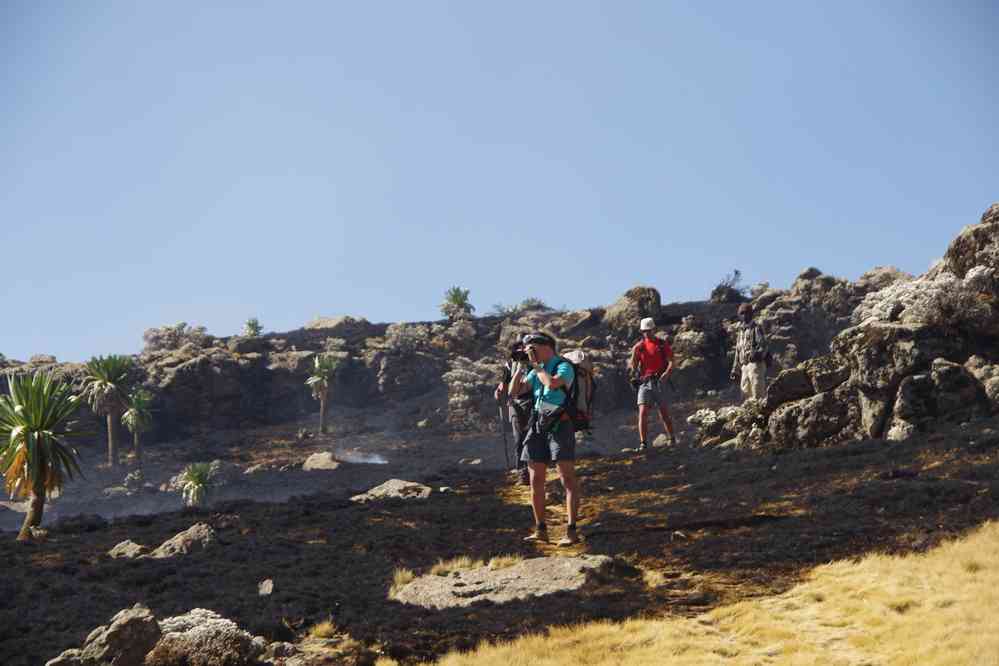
x,y
549,441
558,369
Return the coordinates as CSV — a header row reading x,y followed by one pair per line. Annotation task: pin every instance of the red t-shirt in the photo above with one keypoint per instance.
x,y
653,356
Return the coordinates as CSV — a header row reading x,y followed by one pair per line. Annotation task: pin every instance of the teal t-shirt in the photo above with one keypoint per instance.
x,y
551,396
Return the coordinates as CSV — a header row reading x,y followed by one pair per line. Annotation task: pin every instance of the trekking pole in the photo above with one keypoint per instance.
x,y
506,445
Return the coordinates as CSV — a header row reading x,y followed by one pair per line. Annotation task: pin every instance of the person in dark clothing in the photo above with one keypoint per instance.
x,y
519,405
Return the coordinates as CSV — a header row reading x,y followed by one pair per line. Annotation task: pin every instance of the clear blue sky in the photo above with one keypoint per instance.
x,y
205,162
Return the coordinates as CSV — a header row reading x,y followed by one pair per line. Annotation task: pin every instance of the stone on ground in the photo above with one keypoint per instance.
x,y
128,550
197,537
323,460
535,577
395,488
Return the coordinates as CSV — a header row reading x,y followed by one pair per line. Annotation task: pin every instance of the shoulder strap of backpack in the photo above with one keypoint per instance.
x,y
566,389
662,350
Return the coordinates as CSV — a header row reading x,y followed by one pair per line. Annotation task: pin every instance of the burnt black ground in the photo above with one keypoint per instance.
x,y
723,525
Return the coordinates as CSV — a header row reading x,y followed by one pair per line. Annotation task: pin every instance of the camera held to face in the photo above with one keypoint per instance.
x,y
517,354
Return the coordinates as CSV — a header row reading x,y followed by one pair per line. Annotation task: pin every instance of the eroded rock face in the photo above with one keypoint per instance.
x,y
976,245
917,355
802,321
625,314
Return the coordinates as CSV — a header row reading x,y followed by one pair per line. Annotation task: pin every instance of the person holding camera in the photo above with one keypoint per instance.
x,y
551,437
652,362
519,404
751,355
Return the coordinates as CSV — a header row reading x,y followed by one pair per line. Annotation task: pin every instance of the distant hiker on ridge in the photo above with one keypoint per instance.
x,y
751,355
652,360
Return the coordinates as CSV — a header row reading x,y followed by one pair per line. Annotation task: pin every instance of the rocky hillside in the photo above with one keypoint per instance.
x,y
918,353
447,370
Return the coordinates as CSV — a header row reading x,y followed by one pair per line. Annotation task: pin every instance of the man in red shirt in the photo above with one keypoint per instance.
x,y
652,359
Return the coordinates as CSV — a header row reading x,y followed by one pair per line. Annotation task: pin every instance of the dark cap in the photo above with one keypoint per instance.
x,y
539,339
746,308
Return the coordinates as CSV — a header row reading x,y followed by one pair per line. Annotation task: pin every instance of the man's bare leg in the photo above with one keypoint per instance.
x,y
538,473
667,421
567,472
643,423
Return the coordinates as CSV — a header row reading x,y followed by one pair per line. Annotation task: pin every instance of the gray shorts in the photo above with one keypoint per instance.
x,y
554,447
650,394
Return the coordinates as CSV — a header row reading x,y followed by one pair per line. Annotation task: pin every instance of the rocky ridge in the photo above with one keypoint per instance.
x,y
918,352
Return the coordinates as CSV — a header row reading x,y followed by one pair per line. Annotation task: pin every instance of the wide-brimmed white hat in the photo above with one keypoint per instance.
x,y
647,324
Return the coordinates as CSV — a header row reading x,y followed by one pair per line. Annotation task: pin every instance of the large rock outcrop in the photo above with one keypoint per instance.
x,y
802,321
919,352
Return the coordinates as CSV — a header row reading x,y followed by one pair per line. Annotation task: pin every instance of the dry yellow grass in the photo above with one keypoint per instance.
x,y
323,630
462,563
504,561
400,577
940,608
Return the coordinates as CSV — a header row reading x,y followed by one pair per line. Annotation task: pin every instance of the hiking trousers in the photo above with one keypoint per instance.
x,y
754,380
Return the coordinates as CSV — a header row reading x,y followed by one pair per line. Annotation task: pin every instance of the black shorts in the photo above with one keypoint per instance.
x,y
554,447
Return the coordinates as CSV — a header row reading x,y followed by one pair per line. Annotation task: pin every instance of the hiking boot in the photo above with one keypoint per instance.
x,y
642,447
540,534
571,538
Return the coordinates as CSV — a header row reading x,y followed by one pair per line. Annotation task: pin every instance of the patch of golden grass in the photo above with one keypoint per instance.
x,y
928,609
400,578
504,561
325,629
461,563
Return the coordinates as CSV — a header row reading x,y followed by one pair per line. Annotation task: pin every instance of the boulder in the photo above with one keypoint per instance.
x,y
539,576
323,460
637,303
204,638
197,537
949,392
125,641
248,345
820,420
987,374
128,550
975,245
394,489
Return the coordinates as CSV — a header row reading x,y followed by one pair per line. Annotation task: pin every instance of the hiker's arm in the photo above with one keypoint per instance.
x,y
668,371
548,380
518,384
633,362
